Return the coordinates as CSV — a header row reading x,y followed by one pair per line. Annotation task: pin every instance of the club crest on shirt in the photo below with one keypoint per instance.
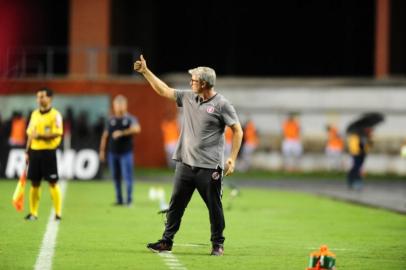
x,y
210,109
215,176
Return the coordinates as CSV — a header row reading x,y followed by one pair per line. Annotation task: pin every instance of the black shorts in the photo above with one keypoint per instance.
x,y
42,166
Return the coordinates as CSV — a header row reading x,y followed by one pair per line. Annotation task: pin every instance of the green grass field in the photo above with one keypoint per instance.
x,y
264,230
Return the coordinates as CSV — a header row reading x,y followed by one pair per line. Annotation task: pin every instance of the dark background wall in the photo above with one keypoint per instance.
x,y
398,37
276,38
25,23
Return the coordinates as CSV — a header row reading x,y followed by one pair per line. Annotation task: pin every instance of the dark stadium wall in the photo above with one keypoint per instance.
x,y
143,102
280,38
398,38
259,38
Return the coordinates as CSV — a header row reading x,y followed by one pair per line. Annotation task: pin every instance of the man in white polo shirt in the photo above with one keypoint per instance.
x,y
199,152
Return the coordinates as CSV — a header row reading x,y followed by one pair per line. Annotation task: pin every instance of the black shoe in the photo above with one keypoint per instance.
x,y
30,217
217,250
58,218
160,246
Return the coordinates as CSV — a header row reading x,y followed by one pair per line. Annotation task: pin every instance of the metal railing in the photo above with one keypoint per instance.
x,y
49,62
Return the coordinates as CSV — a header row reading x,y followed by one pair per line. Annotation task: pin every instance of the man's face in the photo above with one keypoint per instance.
x,y
196,84
119,107
42,99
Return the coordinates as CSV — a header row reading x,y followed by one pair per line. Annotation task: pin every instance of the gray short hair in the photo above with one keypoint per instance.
x,y
205,74
120,99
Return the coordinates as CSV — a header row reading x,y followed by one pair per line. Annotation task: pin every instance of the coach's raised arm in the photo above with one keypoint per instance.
x,y
159,86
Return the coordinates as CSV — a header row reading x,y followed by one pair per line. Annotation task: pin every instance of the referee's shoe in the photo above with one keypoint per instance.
x,y
30,217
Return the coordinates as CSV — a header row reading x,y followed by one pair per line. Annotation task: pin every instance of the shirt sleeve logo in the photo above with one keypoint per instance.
x,y
58,122
210,109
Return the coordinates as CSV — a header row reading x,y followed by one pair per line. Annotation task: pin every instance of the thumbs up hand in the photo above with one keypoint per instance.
x,y
140,65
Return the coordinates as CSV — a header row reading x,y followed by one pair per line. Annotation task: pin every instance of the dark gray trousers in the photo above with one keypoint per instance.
x,y
208,184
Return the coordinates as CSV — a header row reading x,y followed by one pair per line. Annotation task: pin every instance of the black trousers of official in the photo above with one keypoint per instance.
x,y
208,184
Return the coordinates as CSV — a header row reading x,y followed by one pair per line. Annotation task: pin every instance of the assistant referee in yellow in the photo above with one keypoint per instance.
x,y
44,136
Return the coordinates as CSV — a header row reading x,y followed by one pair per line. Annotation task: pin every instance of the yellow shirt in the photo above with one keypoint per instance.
x,y
45,123
357,146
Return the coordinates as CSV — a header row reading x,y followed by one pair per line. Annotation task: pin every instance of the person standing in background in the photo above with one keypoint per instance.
x,y
170,132
17,132
291,145
334,149
249,146
119,132
359,144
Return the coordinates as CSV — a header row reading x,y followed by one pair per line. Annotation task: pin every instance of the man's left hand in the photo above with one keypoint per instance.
x,y
117,134
230,164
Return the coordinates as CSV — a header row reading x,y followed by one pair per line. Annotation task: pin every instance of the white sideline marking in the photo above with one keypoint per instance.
x,y
44,259
171,261
190,245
